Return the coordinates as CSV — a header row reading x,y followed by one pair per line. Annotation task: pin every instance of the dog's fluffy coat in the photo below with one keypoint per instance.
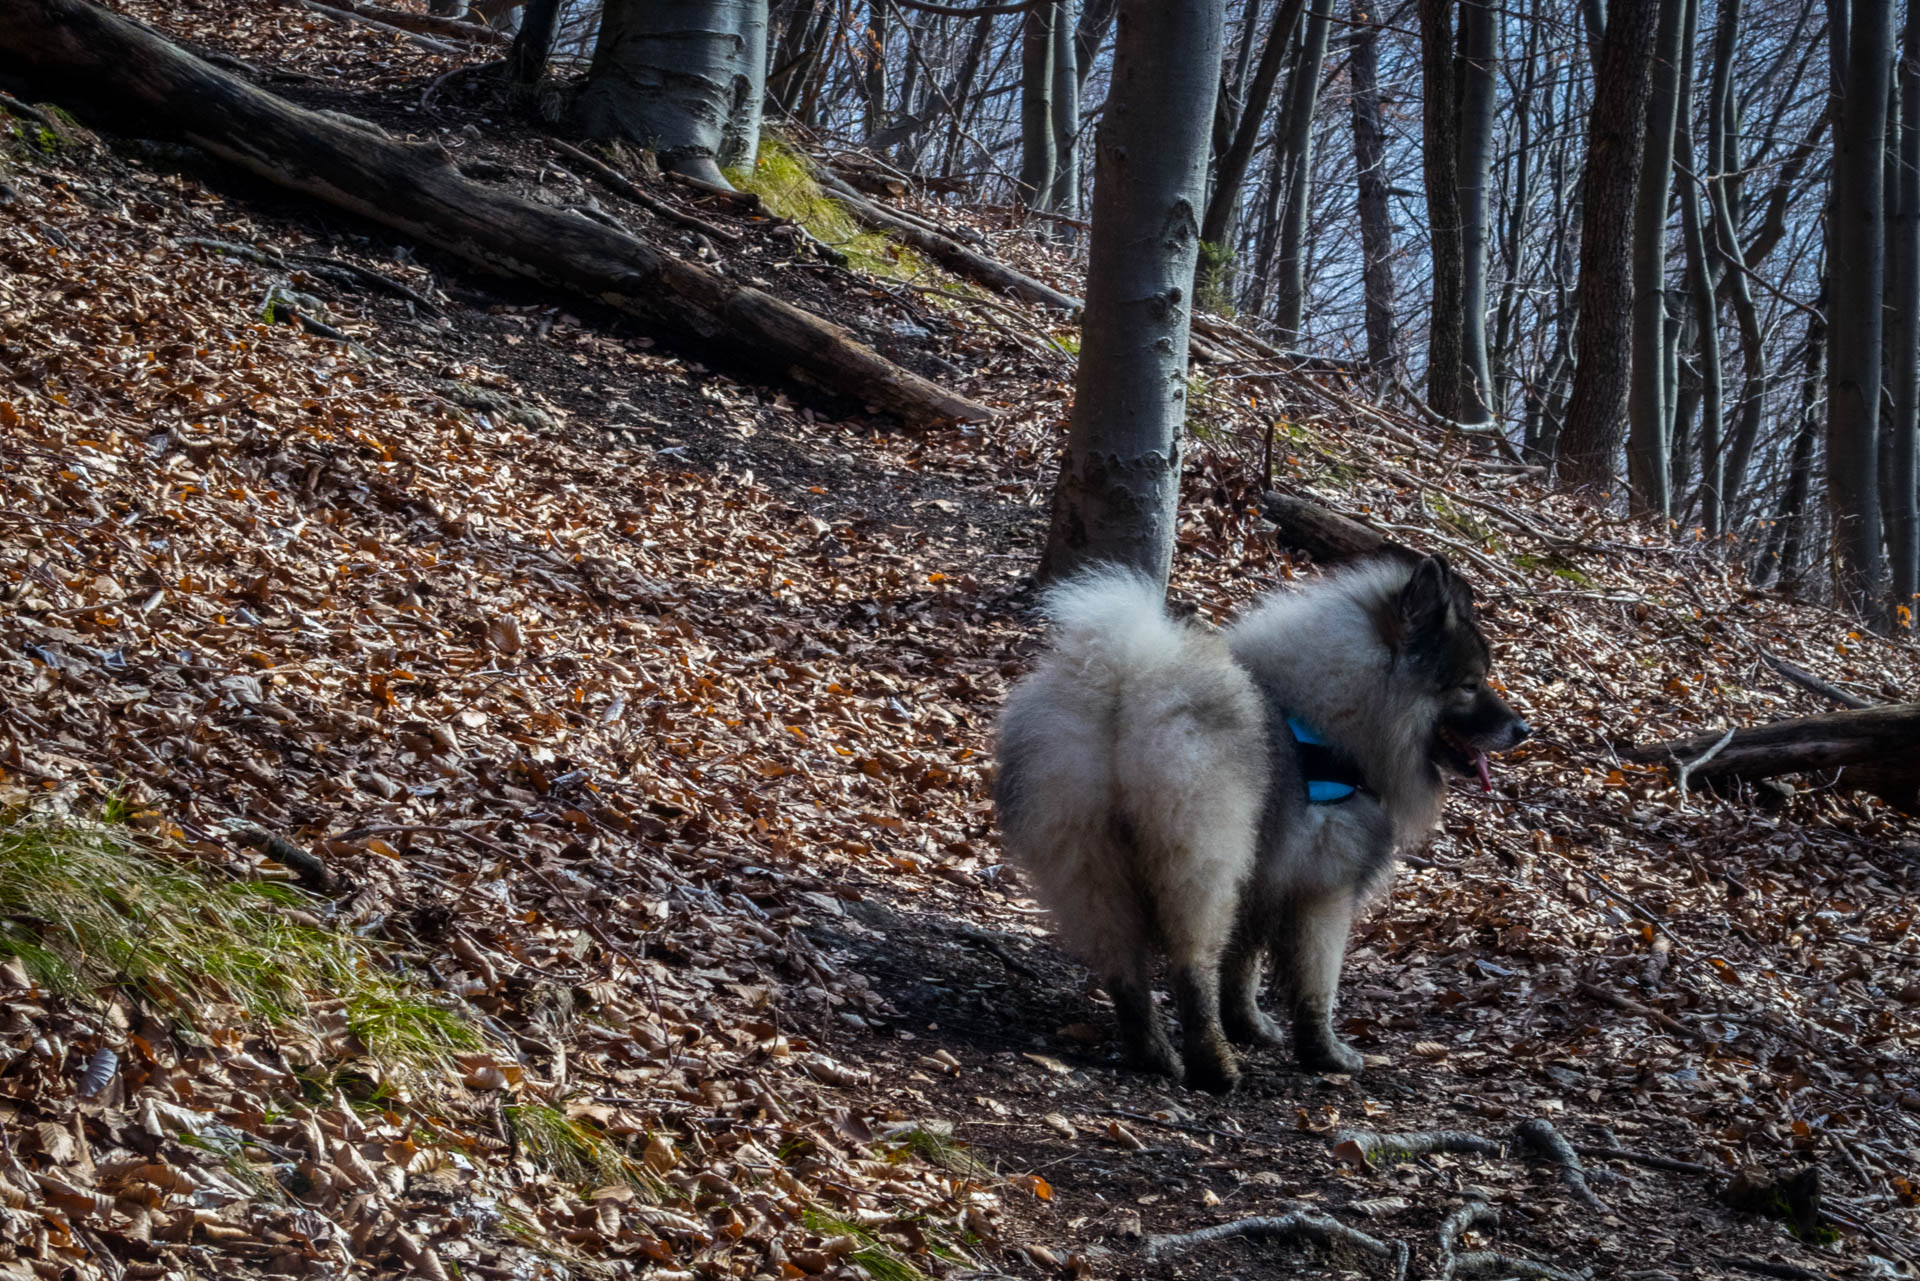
x,y
1152,790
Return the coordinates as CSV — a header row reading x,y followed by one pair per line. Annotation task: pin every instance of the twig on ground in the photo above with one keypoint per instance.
x,y
1763,1268
1147,1118
1364,1145
1808,681
1297,1224
347,15
1606,1152
1540,1135
309,868
621,185
1664,1021
1686,768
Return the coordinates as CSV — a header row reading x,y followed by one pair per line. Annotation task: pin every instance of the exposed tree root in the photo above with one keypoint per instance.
x,y
1299,1224
1478,1214
1539,1135
1364,1145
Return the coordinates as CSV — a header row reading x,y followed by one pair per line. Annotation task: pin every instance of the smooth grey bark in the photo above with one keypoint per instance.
x,y
1037,154
683,78
1064,194
1651,394
1903,429
1856,258
1519,205
1591,439
1479,58
1439,133
1702,295
1119,485
1725,186
1376,218
1095,17
1303,96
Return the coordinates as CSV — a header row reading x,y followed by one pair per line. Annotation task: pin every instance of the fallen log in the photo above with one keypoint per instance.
x,y
414,188
1874,749
1326,535
950,253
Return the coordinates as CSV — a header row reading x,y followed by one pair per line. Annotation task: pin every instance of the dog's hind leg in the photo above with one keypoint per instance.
x,y
1310,945
1240,1013
1143,1034
1196,919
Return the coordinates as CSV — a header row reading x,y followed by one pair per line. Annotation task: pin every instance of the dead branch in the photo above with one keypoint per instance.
x,y
1662,1020
1601,1152
1478,1214
416,189
456,28
1686,768
14,107
1763,1268
1539,1135
1876,748
1324,534
308,867
1813,684
620,185
1295,1225
349,16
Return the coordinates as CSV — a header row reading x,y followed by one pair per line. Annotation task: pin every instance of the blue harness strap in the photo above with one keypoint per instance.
x,y
1331,777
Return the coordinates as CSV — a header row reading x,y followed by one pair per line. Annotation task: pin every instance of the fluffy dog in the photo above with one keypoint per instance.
x,y
1227,797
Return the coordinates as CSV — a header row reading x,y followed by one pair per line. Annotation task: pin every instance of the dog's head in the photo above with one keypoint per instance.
x,y
1438,644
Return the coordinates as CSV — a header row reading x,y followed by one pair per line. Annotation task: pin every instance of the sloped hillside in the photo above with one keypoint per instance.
x,y
635,723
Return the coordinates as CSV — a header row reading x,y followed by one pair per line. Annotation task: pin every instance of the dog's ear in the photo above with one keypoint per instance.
x,y
1427,597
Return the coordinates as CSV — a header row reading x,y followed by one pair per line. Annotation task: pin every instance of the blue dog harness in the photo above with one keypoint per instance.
x,y
1331,776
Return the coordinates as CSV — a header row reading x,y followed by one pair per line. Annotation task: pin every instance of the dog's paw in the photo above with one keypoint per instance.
x,y
1328,1053
1252,1028
1214,1075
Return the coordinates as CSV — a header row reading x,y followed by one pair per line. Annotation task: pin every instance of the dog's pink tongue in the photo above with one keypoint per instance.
x,y
1486,776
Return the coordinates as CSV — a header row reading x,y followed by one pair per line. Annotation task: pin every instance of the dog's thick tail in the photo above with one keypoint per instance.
x,y
1113,617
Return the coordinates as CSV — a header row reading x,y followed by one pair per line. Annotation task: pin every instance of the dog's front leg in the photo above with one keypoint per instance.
x,y
1312,945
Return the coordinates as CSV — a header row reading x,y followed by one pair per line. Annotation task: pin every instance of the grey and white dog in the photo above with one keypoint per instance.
x,y
1227,797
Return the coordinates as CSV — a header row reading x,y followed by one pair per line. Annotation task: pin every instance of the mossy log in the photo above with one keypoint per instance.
x,y
89,58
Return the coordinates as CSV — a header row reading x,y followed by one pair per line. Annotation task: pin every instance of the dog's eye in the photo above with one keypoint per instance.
x,y
1469,687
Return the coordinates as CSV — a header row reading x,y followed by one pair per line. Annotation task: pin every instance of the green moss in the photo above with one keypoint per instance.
x,y
1555,564
88,907
783,178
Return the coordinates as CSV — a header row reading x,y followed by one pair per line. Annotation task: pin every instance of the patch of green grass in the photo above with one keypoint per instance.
x,y
578,1152
881,1261
783,178
942,1150
89,906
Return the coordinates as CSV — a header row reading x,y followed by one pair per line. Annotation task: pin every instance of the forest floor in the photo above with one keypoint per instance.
x,y
641,716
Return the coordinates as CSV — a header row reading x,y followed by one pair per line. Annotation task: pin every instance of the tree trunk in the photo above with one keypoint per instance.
x,y
1231,172
1064,195
1903,432
1119,481
1290,288
1095,17
1441,161
1793,509
1590,442
683,78
415,189
873,79
1479,60
1376,216
532,46
1700,288
1037,154
1856,262
1650,396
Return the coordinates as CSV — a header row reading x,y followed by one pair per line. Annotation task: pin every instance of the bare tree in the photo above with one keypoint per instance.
x,y
1119,480
1370,166
1650,395
1856,257
1303,97
1439,132
1903,339
1476,71
1590,442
